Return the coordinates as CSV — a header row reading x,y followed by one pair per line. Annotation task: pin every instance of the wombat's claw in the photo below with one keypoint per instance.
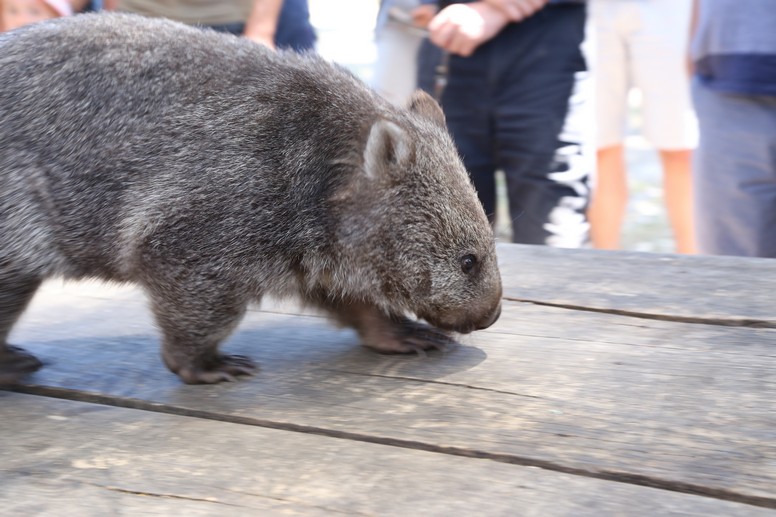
x,y
424,337
419,344
15,363
412,336
226,368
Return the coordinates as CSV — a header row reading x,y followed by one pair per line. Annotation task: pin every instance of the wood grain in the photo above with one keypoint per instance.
x,y
70,458
719,290
685,407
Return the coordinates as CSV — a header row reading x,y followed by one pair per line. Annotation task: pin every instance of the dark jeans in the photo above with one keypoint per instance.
x,y
520,104
294,30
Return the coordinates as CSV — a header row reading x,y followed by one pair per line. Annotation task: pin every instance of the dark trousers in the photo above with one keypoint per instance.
x,y
521,104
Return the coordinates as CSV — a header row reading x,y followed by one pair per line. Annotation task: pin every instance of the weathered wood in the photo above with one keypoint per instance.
x,y
717,290
729,290
682,406
69,458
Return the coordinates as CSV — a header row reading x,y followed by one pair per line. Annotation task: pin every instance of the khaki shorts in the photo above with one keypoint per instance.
x,y
643,44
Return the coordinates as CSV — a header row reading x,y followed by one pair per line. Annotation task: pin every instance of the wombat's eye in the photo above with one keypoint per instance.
x,y
467,263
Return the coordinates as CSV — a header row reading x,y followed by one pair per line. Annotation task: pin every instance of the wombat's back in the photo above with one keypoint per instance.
x,y
114,124
213,171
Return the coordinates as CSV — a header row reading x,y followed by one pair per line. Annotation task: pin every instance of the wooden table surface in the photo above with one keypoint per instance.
x,y
614,384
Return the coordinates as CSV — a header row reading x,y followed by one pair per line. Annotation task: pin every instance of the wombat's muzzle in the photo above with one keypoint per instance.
x,y
493,318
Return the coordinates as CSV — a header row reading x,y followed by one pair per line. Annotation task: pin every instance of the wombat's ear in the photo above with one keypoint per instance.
x,y
424,105
387,148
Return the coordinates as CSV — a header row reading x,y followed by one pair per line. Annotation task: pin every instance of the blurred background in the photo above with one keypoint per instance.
x,y
345,35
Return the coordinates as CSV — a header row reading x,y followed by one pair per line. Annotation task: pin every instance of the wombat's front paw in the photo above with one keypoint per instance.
x,y
407,336
15,363
222,368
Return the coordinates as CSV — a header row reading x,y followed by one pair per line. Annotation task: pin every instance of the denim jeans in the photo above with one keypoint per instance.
x,y
734,173
522,103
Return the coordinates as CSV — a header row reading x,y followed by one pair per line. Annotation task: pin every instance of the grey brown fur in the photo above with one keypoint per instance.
x,y
212,172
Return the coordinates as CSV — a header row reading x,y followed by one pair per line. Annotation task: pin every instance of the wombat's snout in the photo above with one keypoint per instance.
x,y
466,321
494,316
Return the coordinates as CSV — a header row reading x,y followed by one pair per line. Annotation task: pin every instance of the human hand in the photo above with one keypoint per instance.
x,y
263,38
422,15
517,10
17,13
461,28
689,65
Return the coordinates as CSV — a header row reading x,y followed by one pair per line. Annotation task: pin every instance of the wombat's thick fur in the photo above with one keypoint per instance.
x,y
213,171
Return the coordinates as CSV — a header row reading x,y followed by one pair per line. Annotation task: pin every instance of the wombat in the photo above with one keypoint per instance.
x,y
212,171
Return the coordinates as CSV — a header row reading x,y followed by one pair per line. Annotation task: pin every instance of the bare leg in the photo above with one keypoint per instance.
x,y
677,189
16,292
194,320
609,198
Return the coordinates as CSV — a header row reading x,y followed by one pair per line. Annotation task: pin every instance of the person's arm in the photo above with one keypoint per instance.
x,y
263,21
518,10
693,29
424,13
461,28
78,5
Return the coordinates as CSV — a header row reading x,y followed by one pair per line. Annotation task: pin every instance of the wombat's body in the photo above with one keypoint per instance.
x,y
212,171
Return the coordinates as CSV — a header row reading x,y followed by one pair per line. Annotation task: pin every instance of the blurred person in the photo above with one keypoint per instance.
x,y
399,30
275,23
734,90
642,43
513,84
17,13
86,6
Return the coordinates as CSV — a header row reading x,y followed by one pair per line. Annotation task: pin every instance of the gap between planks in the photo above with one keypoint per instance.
x,y
606,475
697,320
723,322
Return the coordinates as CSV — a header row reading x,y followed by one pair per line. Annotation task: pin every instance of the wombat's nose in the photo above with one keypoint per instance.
x,y
493,317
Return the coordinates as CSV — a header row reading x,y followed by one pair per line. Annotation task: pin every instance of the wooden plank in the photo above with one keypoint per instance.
x,y
719,290
70,458
732,290
682,406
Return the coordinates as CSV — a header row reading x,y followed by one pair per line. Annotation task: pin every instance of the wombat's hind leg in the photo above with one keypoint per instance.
x,y
193,324
16,291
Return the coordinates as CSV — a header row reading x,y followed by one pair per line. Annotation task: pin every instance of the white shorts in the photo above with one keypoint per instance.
x,y
395,71
643,43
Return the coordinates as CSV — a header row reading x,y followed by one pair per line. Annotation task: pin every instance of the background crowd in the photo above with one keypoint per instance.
x,y
536,92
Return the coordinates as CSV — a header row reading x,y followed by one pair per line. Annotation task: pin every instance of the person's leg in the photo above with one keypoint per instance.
x,y
659,53
677,191
609,195
294,30
609,198
543,122
734,174
466,103
395,76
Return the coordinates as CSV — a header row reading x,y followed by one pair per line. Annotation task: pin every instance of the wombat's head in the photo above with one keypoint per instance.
x,y
413,219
